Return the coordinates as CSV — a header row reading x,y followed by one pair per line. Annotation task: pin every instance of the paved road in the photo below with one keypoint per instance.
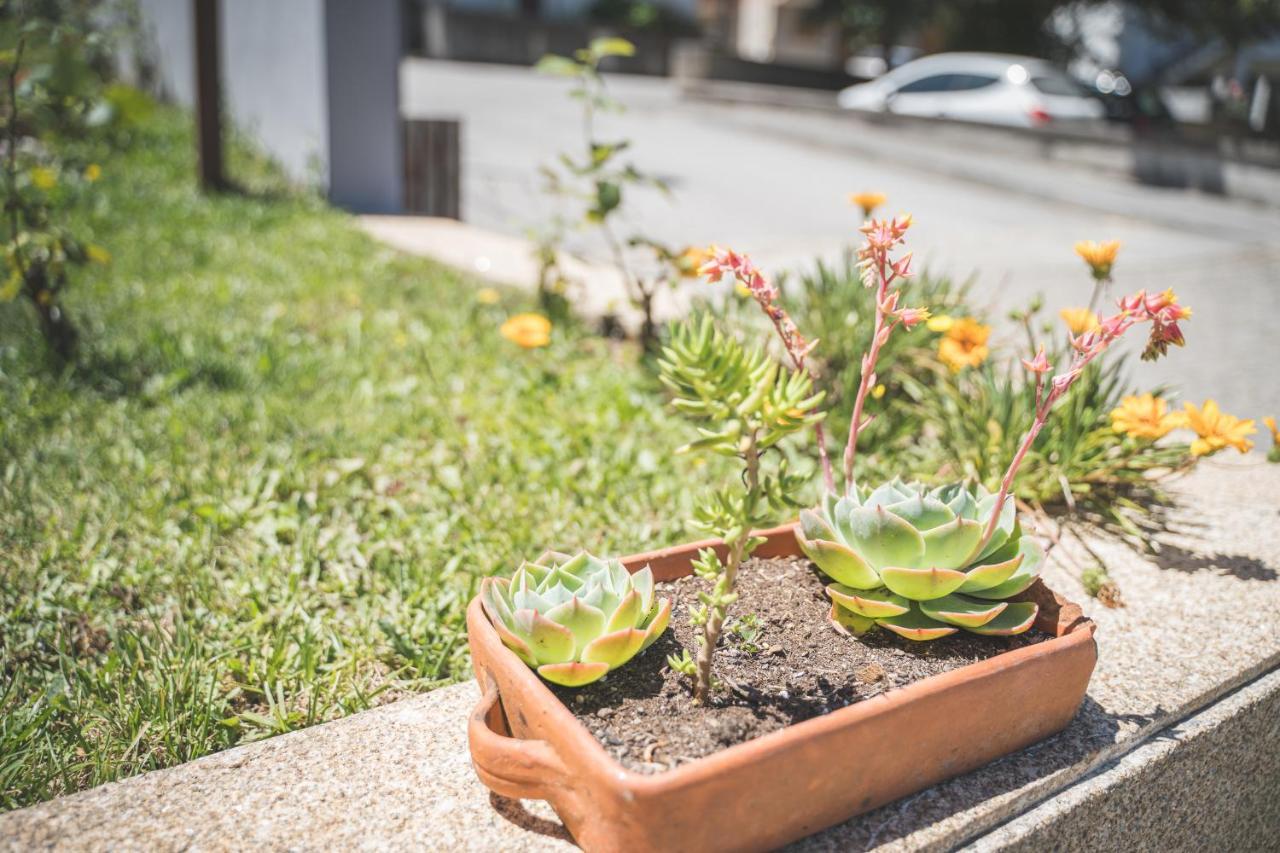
x,y
772,182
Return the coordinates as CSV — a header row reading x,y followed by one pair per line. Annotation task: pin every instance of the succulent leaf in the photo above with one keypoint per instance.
x,y
949,545
614,649
989,575
962,611
573,674
882,538
871,604
922,584
1024,576
922,513
575,620
914,625
849,622
840,563
1019,616
658,624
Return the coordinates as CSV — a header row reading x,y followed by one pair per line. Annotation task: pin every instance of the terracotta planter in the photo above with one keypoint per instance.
x,y
763,793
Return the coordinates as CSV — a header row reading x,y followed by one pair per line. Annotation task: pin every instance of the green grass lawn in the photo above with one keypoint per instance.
x,y
266,494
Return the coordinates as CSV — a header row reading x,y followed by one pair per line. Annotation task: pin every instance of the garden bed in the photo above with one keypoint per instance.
x,y
786,664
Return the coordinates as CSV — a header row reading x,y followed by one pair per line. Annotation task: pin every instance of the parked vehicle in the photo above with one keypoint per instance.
x,y
982,87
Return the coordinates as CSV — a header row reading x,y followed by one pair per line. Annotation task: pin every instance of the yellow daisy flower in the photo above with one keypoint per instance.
x,y
939,323
1145,416
527,330
1079,320
867,201
965,344
1099,256
1216,429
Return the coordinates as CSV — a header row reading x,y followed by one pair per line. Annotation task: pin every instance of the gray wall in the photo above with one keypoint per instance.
x,y
314,82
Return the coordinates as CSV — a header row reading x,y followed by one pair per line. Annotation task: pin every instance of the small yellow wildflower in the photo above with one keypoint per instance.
x,y
92,172
1099,256
867,201
939,323
878,391
527,330
965,344
97,254
691,260
1145,416
1216,429
43,178
487,296
1079,320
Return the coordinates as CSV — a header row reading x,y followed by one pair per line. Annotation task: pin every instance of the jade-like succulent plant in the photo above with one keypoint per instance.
x,y
573,619
908,558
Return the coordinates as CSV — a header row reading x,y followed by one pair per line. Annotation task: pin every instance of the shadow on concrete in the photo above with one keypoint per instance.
x,y
1237,565
515,812
1070,753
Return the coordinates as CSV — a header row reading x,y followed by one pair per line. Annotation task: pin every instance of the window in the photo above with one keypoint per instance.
x,y
966,82
947,83
1055,84
933,83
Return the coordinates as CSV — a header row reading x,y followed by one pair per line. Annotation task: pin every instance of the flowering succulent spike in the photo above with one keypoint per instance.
x,y
902,558
574,619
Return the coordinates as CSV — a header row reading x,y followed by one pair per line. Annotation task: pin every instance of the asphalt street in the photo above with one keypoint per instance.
x,y
773,182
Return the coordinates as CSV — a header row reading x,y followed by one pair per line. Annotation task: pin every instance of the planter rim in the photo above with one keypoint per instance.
x,y
1072,628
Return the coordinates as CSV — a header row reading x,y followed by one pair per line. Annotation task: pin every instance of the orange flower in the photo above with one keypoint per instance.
x,y
1099,256
1079,320
1145,416
965,344
527,330
1216,429
867,201
691,260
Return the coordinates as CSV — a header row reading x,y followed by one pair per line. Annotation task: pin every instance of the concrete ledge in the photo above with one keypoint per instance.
x,y
1162,746
1210,782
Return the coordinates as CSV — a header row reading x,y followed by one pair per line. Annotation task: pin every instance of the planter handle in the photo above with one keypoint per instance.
x,y
511,767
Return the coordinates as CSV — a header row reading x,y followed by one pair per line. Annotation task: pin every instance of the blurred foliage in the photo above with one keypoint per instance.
x,y
595,180
52,94
643,15
264,493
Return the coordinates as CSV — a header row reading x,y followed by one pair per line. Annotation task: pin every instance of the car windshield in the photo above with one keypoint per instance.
x,y
1056,84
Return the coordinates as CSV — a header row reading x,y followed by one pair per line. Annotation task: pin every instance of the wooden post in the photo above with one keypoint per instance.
x,y
432,167
208,96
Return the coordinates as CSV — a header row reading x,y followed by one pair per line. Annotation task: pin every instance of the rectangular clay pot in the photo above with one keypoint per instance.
x,y
787,784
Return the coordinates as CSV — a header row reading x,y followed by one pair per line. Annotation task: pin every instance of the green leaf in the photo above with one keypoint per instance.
x,y
558,66
611,46
962,611
869,603
914,625
879,536
922,584
1016,618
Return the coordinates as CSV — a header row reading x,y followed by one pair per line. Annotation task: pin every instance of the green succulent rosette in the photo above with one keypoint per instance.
x,y
573,619
906,557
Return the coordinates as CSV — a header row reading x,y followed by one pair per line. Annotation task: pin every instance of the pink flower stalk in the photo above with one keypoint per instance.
x,y
881,272
726,263
1162,311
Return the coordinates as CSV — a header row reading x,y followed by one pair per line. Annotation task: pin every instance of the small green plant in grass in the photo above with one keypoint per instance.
x,y
47,93
596,178
746,404
573,619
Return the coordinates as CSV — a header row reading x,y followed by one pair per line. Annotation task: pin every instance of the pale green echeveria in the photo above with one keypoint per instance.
x,y
573,619
906,557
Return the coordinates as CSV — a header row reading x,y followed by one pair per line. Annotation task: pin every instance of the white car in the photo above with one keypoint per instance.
x,y
982,87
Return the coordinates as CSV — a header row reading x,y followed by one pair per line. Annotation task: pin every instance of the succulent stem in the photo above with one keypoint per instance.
x,y
878,337
714,625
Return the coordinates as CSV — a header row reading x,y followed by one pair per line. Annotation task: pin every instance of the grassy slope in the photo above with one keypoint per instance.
x,y
265,497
